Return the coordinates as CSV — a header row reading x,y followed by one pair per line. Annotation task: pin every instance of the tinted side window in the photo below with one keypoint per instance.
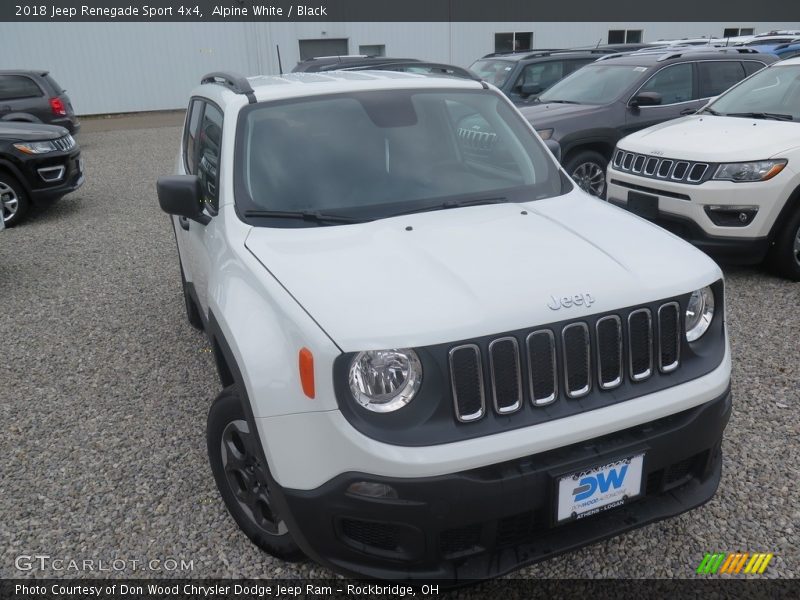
x,y
209,141
751,66
541,76
574,65
716,77
674,83
18,86
190,136
57,89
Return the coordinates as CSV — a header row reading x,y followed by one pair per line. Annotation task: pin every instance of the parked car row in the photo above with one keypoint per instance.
x,y
726,178
588,112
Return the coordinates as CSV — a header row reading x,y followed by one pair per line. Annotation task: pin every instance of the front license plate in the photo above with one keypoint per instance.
x,y
643,205
595,489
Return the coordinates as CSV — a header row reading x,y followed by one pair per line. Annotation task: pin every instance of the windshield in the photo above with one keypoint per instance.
x,y
495,72
370,155
773,91
596,83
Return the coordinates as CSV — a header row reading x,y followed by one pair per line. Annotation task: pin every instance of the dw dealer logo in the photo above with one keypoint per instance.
x,y
602,481
734,563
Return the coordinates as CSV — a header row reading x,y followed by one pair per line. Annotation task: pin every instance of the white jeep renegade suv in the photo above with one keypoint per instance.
x,y
440,358
727,178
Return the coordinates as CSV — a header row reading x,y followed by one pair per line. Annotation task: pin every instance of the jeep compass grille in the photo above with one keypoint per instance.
x,y
564,363
665,169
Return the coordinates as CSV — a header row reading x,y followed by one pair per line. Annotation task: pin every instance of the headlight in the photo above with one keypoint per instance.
x,y
699,313
36,147
385,380
759,170
545,134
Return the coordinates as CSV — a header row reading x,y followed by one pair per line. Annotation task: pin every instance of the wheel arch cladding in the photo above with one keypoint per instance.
x,y
605,149
791,205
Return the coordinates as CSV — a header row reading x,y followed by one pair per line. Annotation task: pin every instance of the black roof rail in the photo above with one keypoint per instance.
x,y
236,83
517,52
405,67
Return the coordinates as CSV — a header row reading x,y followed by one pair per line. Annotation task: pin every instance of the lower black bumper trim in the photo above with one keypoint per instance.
x,y
486,522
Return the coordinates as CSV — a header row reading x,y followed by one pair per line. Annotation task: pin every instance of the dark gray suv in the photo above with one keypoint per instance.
x,y
35,97
597,105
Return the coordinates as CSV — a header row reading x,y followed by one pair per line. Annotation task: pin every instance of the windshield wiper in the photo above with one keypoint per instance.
x,y
452,204
306,215
710,111
559,102
762,115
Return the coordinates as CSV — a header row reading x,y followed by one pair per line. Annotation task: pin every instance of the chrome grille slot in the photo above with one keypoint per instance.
x,y
542,373
697,172
504,366
609,352
466,378
680,170
627,161
64,143
638,163
650,166
640,344
618,157
669,340
664,168
577,357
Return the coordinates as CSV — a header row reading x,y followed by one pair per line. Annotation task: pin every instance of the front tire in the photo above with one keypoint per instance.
x,y
588,169
784,256
13,200
243,479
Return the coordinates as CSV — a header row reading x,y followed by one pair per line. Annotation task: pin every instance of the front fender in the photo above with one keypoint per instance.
x,y
265,328
14,170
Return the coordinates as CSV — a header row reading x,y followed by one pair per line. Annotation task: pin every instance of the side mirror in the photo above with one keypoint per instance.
x,y
180,195
555,148
646,99
529,89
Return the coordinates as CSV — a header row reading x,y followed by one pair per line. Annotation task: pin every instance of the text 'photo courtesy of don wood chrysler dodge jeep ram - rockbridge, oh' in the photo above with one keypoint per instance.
x,y
440,359
725,179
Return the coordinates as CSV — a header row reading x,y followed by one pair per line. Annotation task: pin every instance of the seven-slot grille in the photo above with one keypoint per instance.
x,y
565,362
65,143
665,169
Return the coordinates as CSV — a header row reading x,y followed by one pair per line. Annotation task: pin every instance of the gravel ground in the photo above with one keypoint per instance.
x,y
106,389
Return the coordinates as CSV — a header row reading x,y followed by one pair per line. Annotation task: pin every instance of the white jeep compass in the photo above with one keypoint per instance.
x,y
440,358
727,178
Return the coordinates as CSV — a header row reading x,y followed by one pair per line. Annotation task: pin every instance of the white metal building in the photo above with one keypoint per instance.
x,y
128,67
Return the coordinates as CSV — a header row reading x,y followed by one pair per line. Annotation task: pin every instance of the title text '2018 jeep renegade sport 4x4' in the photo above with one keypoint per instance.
x,y
440,358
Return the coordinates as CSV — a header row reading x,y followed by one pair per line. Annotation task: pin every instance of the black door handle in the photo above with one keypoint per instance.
x,y
688,111
184,223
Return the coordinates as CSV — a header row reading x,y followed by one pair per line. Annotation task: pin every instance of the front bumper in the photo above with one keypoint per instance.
x,y
682,210
487,521
71,179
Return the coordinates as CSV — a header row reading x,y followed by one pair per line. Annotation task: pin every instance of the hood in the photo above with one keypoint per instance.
x,y
547,113
716,139
473,271
30,132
